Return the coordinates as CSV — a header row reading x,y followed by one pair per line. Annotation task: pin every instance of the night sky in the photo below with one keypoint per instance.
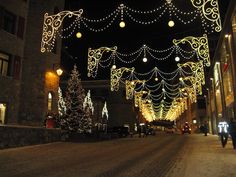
x,y
132,37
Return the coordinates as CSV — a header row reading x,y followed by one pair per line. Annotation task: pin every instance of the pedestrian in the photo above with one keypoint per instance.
x,y
139,131
223,132
232,131
205,128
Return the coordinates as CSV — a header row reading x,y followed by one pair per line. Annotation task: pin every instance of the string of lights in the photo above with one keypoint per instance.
x,y
206,10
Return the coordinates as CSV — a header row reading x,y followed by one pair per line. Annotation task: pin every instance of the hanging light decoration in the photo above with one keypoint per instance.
x,y
208,11
78,34
177,59
171,23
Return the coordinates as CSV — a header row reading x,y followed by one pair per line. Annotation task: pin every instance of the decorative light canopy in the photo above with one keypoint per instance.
x,y
207,10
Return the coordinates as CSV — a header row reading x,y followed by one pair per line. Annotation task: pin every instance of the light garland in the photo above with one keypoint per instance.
x,y
206,9
52,24
210,9
116,74
130,86
198,43
94,57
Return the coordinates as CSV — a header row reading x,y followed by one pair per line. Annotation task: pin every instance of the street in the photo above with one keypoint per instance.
x,y
152,156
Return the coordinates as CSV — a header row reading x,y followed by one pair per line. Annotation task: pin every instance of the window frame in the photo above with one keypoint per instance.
x,y
8,61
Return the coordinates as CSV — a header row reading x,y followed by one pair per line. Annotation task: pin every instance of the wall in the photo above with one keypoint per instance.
x,y
16,136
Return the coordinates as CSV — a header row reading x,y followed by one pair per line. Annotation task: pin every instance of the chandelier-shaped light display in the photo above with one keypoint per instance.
x,y
207,10
94,57
130,86
210,9
116,74
51,26
198,43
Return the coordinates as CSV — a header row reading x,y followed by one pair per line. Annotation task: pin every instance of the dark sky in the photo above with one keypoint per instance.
x,y
132,37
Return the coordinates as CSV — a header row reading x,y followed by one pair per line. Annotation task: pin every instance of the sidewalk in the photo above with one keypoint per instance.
x,y
203,156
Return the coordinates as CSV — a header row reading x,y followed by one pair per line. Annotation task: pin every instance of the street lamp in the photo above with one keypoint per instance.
x,y
57,69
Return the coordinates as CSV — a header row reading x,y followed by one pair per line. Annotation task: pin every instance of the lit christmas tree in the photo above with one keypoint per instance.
x,y
61,103
71,121
86,122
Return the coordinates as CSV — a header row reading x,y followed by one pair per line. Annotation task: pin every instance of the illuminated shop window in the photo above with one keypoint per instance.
x,y
225,58
49,101
4,64
3,108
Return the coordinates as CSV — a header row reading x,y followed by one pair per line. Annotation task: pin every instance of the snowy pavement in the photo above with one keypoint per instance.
x,y
203,156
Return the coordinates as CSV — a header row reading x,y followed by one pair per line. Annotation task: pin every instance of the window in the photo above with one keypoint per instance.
x,y
3,108
4,64
49,101
9,21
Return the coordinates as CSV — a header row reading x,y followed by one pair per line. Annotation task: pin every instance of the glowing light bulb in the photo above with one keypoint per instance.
x,y
177,59
78,34
122,24
113,66
132,82
171,23
156,79
144,59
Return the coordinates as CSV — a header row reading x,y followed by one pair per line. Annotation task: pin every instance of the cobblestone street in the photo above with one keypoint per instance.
x,y
169,155
149,156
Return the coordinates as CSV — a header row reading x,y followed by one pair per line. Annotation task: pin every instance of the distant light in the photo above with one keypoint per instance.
x,y
177,59
171,23
156,79
78,34
180,79
113,66
122,24
144,59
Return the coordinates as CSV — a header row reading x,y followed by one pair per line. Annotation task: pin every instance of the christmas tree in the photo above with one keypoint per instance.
x,y
75,113
86,122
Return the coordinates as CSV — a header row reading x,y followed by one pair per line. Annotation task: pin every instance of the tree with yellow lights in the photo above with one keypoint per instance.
x,y
72,120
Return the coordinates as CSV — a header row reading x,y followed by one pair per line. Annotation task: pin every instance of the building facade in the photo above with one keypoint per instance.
x,y
221,91
121,112
28,82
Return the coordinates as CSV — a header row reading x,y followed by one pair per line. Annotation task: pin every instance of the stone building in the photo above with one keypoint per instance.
x,y
28,82
221,91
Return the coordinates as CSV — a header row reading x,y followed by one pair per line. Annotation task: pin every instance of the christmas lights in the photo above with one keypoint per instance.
x,y
105,111
116,74
200,44
205,9
94,57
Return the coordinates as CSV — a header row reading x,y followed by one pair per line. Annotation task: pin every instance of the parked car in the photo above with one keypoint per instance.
x,y
121,131
169,129
186,128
